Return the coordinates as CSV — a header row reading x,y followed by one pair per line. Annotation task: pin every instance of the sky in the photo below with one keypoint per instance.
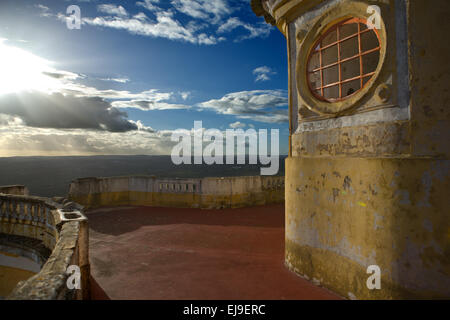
x,y
134,72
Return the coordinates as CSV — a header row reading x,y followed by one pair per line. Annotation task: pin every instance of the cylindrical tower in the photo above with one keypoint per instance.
x,y
367,177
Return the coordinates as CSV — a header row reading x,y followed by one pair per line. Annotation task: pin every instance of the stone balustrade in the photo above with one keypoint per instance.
x,y
59,227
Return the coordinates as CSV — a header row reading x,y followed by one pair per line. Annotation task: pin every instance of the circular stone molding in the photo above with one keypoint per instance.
x,y
325,22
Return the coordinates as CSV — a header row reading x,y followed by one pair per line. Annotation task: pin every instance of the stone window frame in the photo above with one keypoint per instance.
x,y
306,42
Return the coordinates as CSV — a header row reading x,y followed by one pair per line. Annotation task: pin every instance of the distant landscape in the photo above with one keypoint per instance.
x,y
51,176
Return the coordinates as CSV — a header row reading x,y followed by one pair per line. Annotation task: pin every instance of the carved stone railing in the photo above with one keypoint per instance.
x,y
63,230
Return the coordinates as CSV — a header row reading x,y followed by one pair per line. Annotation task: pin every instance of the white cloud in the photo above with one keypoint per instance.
x,y
120,80
263,73
112,10
210,10
165,20
146,100
260,105
148,105
44,10
140,16
255,31
237,124
164,27
185,95
149,5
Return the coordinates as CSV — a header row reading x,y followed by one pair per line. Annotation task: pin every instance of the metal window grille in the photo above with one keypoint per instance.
x,y
343,60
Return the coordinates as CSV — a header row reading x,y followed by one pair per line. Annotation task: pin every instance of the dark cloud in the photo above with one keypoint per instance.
x,y
60,111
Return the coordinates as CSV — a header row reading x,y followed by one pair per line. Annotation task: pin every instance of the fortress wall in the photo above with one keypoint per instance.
x,y
211,192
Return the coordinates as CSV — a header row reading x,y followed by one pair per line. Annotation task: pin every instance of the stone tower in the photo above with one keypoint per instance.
x,y
367,177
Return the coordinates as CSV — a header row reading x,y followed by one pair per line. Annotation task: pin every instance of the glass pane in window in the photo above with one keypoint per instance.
x,y
350,88
314,79
330,38
369,41
329,55
363,26
350,69
330,75
347,30
314,62
370,61
331,92
349,48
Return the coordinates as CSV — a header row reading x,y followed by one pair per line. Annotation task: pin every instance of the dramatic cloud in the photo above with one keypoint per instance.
x,y
48,111
259,105
25,76
263,73
37,109
19,140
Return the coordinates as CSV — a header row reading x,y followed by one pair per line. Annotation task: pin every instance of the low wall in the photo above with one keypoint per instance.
x,y
16,189
207,193
59,228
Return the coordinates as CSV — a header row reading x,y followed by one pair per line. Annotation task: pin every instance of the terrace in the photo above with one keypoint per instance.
x,y
223,239
188,253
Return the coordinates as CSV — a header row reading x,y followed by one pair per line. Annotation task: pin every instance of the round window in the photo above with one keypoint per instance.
x,y
343,60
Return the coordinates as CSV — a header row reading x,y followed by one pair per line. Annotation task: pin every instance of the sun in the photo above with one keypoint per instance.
x,y
21,70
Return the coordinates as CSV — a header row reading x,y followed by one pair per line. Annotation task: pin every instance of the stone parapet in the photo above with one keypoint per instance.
x,y
207,193
62,229
19,190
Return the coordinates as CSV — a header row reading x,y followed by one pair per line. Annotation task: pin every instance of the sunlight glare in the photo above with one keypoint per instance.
x,y
23,71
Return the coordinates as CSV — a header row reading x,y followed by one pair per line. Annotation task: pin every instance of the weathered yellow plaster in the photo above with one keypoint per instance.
x,y
343,215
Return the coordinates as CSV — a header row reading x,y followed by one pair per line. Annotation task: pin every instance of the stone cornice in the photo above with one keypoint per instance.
x,y
281,12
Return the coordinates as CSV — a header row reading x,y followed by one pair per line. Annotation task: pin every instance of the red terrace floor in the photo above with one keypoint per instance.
x,y
170,253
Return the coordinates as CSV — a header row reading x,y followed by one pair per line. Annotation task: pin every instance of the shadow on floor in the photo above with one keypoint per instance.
x,y
97,292
116,221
